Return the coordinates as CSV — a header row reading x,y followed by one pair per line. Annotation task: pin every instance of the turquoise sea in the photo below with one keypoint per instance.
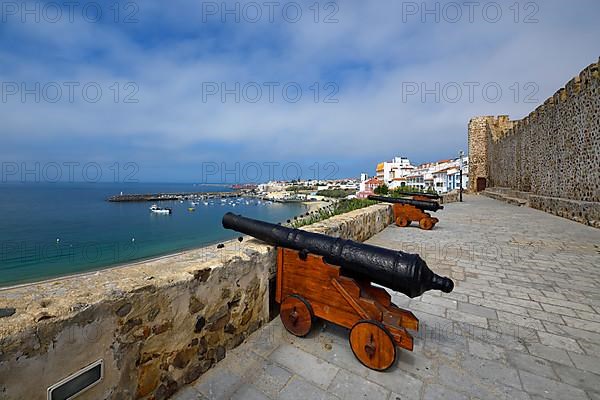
x,y
51,230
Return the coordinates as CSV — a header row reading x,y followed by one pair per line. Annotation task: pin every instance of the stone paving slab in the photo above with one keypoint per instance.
x,y
522,323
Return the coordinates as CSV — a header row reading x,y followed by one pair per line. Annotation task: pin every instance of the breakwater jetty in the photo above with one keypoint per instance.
x,y
171,196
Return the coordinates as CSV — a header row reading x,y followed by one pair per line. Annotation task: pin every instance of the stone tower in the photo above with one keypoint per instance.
x,y
482,130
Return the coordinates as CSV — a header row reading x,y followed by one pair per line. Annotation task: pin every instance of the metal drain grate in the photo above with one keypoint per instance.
x,y
77,383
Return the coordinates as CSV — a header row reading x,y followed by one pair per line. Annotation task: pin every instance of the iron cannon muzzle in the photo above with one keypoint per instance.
x,y
403,272
442,283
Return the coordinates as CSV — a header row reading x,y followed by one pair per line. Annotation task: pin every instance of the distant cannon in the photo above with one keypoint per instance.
x,y
423,196
408,210
330,278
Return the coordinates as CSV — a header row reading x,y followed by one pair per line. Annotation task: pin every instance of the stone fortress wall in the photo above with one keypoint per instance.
x,y
157,325
551,157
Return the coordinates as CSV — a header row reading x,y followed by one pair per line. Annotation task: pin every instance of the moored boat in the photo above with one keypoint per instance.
x,y
160,210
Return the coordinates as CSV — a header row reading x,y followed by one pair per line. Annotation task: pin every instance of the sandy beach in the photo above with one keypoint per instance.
x,y
315,205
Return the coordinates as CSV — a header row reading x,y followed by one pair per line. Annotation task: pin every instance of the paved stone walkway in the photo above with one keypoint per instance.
x,y
522,323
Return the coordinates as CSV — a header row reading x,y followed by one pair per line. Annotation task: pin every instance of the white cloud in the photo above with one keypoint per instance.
x,y
370,54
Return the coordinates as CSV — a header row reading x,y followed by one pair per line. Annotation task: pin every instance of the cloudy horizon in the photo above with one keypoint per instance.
x,y
332,86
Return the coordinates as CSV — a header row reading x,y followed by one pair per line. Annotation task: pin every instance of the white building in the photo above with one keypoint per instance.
x,y
440,180
441,176
398,182
399,167
454,176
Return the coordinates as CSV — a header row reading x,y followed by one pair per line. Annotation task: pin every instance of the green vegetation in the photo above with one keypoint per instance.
x,y
341,207
400,191
336,193
382,189
300,188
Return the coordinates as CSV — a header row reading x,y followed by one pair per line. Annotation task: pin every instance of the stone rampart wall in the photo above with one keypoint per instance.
x,y
553,152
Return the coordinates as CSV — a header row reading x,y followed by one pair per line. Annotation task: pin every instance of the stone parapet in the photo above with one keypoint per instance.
x,y
585,212
157,325
450,197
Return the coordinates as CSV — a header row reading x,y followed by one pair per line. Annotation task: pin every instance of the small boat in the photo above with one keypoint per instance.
x,y
191,209
160,210
206,203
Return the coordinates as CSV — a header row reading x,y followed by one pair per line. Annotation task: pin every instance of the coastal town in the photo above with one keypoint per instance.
x,y
300,200
439,177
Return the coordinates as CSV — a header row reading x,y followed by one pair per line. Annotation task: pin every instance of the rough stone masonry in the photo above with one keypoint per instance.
x,y
551,157
158,325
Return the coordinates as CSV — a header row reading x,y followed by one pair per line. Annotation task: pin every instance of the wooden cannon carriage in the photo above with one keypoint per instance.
x,y
308,287
330,278
408,210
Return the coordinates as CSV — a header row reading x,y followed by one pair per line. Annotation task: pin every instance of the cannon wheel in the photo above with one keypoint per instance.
x,y
297,315
426,223
373,345
402,222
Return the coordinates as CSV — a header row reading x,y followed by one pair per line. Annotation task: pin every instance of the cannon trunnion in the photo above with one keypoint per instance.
x,y
408,210
319,276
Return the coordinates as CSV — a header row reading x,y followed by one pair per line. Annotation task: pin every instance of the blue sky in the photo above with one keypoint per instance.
x,y
387,74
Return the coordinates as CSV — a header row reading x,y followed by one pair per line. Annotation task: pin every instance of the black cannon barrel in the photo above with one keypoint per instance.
x,y
428,195
422,205
403,272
